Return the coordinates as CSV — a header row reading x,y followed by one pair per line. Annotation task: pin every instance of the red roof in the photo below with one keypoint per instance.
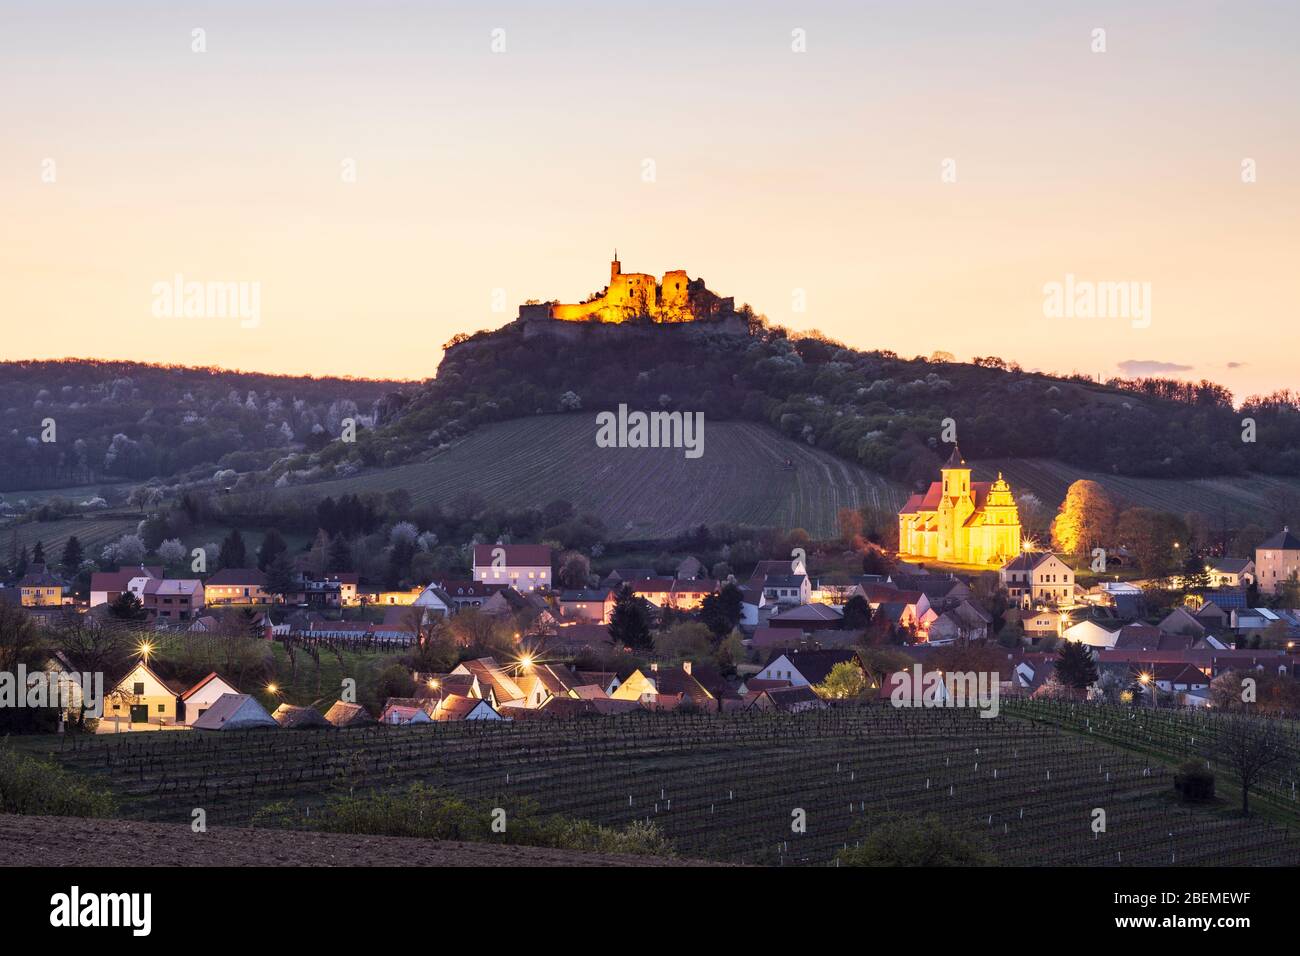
x,y
203,683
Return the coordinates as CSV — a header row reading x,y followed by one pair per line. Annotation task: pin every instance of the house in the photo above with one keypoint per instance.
x,y
39,588
235,712
587,606
1092,633
107,586
1181,621
961,521
787,589
607,681
808,617
1277,559
173,599
620,576
767,639
344,715
1231,572
791,700
685,595
299,718
569,640
540,682
400,711
196,701
236,586
436,600
465,594
456,707
1212,615
369,595
1040,624
349,583
665,688
1036,579
525,566
806,668
499,688
142,697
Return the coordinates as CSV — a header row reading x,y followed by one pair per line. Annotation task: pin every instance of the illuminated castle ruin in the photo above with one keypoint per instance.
x,y
636,296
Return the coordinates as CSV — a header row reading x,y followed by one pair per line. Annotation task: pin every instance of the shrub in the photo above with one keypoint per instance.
x,y
38,788
902,840
1194,781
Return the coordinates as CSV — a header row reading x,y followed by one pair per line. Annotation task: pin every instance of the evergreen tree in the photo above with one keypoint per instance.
x,y
38,553
72,556
127,607
1074,665
280,575
630,622
233,553
340,554
857,613
273,545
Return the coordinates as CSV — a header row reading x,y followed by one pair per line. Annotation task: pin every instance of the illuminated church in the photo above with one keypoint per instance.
x,y
961,521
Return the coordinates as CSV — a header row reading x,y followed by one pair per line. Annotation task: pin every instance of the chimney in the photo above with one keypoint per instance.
x,y
686,666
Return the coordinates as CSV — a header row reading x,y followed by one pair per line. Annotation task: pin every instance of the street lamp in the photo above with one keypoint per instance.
x,y
1144,679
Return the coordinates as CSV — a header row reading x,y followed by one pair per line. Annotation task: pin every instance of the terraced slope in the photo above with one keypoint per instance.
x,y
747,475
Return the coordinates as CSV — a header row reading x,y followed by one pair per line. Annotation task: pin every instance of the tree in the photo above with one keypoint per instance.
x,y
172,552
339,554
72,556
1287,594
845,681
630,622
722,612
1249,746
689,640
273,545
574,570
1075,667
280,576
1086,519
908,840
1196,577
1152,535
38,553
857,613
233,553
127,607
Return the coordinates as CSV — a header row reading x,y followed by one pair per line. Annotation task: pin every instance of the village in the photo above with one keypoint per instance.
x,y
964,590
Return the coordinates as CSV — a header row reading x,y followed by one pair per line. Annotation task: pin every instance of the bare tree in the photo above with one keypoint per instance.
x,y
1248,746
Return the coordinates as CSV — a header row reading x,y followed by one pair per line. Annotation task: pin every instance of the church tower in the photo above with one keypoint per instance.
x,y
956,475
615,267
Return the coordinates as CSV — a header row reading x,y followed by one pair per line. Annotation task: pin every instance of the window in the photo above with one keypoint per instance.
x,y
162,708
138,688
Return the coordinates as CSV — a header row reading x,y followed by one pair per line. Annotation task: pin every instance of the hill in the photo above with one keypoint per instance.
x,y
749,474
80,422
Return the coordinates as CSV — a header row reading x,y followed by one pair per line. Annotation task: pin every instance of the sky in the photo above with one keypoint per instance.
x,y
909,176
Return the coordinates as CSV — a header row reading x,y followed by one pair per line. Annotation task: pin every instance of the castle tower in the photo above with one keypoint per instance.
x,y
615,267
956,475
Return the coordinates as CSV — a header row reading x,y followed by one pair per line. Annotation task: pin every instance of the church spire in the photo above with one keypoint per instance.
x,y
955,460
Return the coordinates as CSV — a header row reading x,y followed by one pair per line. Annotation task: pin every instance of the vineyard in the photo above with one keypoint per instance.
x,y
720,787
93,531
747,475
1249,498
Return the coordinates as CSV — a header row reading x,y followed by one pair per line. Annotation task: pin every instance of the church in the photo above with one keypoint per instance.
x,y
961,521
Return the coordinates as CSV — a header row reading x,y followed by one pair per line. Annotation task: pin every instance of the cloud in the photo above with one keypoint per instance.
x,y
1151,367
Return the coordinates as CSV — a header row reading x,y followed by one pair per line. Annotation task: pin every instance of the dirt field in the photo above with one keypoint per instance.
x,y
73,841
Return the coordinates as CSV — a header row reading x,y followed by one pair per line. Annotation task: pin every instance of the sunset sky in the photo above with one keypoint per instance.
x,y
774,171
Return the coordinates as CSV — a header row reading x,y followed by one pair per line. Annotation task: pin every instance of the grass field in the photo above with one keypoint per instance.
x,y
723,788
741,478
1253,498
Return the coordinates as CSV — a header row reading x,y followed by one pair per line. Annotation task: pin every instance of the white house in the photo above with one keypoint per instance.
x,y
1037,578
435,600
199,699
525,566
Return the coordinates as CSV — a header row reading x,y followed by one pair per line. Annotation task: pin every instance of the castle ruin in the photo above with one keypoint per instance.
x,y
636,296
